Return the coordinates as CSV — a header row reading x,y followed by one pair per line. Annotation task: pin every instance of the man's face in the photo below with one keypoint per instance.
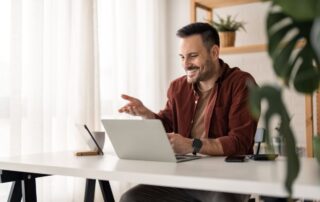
x,y
196,59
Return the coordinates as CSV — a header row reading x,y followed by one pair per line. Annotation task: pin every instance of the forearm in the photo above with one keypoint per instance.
x,y
212,147
149,115
183,145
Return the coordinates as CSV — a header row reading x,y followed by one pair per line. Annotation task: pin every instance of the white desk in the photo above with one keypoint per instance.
x,y
253,177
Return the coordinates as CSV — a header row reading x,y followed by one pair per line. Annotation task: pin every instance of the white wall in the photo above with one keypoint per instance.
x,y
177,16
258,64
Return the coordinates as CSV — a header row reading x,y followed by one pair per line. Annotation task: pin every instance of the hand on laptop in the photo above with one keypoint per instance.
x,y
180,145
136,108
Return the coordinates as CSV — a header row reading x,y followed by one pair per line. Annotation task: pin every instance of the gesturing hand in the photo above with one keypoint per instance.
x,y
136,108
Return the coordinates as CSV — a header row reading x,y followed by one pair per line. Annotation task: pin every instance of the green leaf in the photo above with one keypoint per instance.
x,y
282,62
301,84
275,39
228,24
276,107
254,100
274,20
315,37
302,69
302,10
289,21
316,147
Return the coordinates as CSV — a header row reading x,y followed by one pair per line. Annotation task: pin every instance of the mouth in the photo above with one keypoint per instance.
x,y
192,72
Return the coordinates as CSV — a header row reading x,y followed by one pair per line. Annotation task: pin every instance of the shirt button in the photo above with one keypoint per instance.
x,y
191,121
196,101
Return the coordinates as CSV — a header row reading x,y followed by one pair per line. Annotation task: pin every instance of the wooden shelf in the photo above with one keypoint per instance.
x,y
251,48
244,49
223,3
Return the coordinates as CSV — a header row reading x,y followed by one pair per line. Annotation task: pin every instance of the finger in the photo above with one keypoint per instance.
x,y
132,110
129,98
128,110
170,135
135,110
123,109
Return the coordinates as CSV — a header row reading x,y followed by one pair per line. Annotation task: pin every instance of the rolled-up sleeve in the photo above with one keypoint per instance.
x,y
241,124
166,115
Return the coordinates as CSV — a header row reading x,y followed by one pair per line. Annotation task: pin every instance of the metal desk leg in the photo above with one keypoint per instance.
x,y
29,190
15,192
106,191
24,184
89,191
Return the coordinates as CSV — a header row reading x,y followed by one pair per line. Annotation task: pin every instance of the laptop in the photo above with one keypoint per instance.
x,y
142,140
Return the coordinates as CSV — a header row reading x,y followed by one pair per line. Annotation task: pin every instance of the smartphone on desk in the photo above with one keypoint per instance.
x,y
236,158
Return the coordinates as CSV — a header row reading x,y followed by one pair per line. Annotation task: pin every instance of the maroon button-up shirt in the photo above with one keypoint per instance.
x,y
227,116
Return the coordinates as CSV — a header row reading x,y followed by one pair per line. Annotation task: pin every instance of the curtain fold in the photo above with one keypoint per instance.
x,y
53,72
132,47
54,83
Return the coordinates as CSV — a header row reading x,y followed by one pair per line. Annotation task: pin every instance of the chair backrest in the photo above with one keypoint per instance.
x,y
259,138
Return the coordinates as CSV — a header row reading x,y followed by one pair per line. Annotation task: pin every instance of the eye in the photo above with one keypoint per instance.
x,y
193,55
181,57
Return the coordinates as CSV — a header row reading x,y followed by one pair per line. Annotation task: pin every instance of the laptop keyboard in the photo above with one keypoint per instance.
x,y
179,157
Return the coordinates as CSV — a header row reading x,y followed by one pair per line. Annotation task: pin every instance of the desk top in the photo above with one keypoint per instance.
x,y
252,177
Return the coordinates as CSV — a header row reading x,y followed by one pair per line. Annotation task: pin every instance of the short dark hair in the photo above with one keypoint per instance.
x,y
208,33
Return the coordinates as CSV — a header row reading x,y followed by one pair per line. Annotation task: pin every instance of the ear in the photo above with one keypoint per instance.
x,y
214,52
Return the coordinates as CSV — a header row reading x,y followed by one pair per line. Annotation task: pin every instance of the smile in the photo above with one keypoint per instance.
x,y
191,73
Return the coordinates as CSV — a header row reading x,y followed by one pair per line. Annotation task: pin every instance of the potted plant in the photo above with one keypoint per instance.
x,y
227,28
298,68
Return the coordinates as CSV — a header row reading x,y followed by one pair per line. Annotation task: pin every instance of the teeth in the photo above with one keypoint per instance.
x,y
189,72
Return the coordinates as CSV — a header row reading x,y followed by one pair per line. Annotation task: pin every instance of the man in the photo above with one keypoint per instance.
x,y
206,112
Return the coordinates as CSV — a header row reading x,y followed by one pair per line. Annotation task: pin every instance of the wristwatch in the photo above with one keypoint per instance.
x,y
196,145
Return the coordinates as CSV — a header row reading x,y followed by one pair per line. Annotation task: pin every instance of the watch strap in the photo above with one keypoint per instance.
x,y
196,145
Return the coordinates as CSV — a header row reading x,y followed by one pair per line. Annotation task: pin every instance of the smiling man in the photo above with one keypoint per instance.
x,y
206,112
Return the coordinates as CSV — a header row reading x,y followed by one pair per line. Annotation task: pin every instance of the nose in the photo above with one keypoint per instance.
x,y
186,63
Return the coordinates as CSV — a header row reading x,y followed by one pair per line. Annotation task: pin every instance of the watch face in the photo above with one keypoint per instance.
x,y
197,144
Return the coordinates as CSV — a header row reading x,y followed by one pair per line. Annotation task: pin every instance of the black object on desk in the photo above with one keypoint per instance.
x,y
236,158
264,157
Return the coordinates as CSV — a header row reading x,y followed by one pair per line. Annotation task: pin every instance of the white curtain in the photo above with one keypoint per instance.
x,y
49,74
132,46
49,81
132,38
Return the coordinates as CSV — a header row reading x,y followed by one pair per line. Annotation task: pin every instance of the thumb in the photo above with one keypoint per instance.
x,y
127,97
170,134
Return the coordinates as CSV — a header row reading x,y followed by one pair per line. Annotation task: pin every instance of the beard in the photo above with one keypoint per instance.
x,y
193,74
196,74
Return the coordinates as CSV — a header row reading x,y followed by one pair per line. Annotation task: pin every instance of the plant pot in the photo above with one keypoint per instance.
x,y
227,39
